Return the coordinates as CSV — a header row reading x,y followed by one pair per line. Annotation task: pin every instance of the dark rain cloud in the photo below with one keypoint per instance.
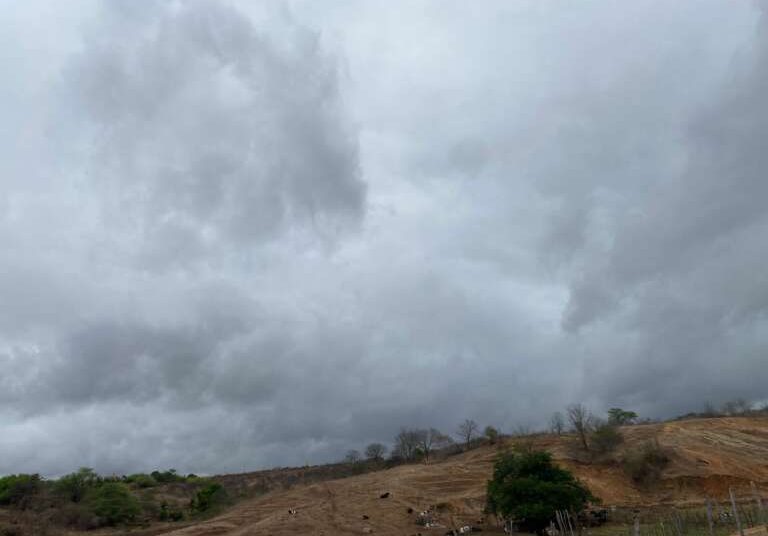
x,y
239,236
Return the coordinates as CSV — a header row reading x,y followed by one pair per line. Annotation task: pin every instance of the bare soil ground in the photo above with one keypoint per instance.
x,y
707,457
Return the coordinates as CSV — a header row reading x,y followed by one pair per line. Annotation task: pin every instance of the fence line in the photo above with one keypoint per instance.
x,y
715,519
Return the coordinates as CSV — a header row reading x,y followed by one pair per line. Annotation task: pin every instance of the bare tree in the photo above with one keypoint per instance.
x,y
522,430
557,423
432,439
375,452
352,456
738,406
407,443
467,432
581,420
709,410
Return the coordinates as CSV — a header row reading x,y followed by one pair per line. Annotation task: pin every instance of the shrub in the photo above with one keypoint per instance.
x,y
113,503
492,434
169,513
167,477
528,488
211,496
605,438
645,465
141,480
75,485
76,515
17,489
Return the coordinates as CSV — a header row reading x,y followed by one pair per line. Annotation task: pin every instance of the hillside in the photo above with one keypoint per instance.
x,y
706,457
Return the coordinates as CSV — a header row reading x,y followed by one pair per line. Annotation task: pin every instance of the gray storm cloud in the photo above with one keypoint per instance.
x,y
683,269
238,236
206,130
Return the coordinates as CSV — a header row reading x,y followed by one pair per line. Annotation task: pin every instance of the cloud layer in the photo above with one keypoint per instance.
x,y
238,237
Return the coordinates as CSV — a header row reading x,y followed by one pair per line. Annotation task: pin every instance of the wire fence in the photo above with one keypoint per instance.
x,y
735,515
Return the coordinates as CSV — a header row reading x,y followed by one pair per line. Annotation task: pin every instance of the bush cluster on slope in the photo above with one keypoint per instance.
x,y
113,503
212,496
18,489
644,466
529,488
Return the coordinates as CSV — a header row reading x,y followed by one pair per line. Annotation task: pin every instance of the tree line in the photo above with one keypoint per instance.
x,y
421,444
594,434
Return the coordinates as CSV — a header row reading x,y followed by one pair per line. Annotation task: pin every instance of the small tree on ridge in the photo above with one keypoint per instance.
x,y
467,432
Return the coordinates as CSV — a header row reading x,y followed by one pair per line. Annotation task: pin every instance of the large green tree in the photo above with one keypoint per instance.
x,y
620,417
528,488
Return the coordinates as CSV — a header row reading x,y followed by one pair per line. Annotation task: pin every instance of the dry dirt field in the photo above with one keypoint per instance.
x,y
707,456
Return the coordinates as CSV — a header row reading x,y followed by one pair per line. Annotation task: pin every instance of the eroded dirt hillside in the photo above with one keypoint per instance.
x,y
706,457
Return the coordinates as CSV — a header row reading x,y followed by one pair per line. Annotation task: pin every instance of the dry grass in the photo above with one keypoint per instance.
x,y
706,457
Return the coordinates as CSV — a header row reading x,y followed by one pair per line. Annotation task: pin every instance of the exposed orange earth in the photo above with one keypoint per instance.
x,y
707,457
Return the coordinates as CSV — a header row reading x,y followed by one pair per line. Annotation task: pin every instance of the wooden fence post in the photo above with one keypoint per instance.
x,y
568,520
710,521
760,509
736,512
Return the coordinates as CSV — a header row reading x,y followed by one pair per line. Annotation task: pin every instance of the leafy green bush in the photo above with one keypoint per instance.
x,y
17,489
113,503
644,466
528,488
209,497
75,485
167,477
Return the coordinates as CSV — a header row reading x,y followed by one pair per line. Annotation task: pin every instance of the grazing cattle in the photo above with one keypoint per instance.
x,y
424,518
365,516
384,495
292,511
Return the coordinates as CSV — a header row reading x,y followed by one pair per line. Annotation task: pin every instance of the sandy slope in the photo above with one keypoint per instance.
x,y
338,507
707,457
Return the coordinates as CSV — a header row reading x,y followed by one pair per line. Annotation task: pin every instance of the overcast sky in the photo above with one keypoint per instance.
x,y
235,235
